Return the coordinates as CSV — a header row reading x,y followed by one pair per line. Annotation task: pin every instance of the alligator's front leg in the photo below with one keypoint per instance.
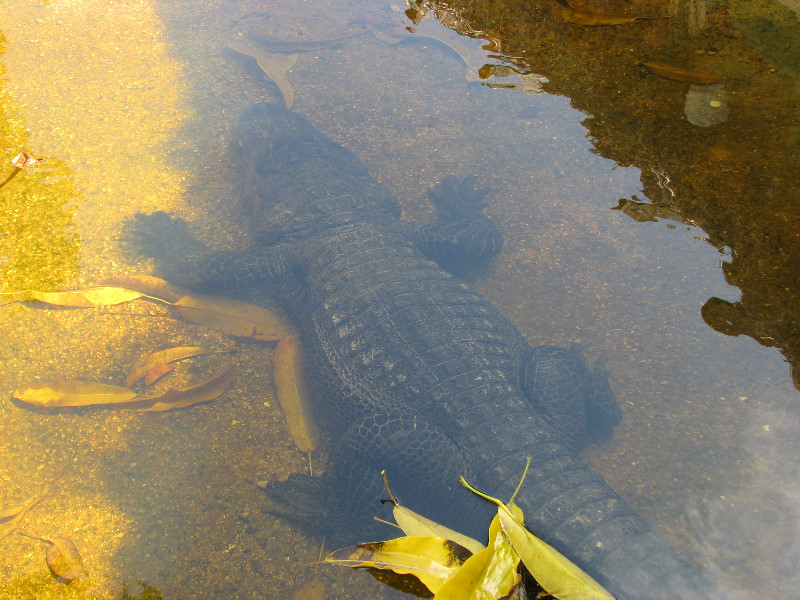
x,y
184,260
462,234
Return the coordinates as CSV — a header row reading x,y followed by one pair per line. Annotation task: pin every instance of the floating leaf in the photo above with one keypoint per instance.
x,y
293,396
11,517
432,560
64,560
415,524
154,359
697,76
202,392
554,572
87,297
233,317
60,393
489,574
147,285
157,373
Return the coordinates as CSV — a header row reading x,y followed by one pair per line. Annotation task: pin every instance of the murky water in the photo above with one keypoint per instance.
x,y
133,105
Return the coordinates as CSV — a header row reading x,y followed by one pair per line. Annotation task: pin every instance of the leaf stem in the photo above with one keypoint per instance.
x,y
388,491
524,473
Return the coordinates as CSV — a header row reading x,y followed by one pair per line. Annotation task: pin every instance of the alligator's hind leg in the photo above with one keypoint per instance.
x,y
462,234
575,400
184,260
422,465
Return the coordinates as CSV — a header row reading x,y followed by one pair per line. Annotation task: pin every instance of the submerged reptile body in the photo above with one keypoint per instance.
x,y
426,378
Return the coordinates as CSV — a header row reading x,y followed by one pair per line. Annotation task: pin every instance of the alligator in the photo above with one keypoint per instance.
x,y
424,377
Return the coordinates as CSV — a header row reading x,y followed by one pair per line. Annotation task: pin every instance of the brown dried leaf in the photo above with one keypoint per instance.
x,y
60,393
154,359
233,317
293,395
157,373
64,560
202,392
148,286
311,589
11,517
87,297
589,17
697,76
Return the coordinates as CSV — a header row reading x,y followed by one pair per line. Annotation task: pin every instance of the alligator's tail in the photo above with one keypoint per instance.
x,y
573,509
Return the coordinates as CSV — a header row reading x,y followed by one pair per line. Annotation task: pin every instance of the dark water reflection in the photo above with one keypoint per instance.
x,y
653,241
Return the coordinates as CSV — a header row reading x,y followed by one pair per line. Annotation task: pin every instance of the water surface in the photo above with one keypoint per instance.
x,y
666,247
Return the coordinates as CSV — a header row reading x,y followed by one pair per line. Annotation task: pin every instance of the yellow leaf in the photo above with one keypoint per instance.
x,y
60,393
233,317
202,392
432,560
293,396
486,575
87,297
147,285
415,524
147,362
555,573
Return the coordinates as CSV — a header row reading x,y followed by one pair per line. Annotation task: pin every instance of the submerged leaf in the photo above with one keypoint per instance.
x,y
432,560
87,297
413,523
274,67
60,393
168,355
156,373
64,560
589,17
11,517
697,76
311,589
206,391
233,317
293,396
148,286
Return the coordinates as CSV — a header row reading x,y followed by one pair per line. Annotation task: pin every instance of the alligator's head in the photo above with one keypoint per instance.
x,y
298,182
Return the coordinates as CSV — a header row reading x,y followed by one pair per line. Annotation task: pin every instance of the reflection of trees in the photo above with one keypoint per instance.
x,y
738,181
38,243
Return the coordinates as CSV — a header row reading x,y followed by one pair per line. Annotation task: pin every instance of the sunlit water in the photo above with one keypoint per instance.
x,y
138,101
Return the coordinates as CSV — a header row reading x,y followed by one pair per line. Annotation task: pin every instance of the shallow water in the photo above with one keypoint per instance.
x,y
135,106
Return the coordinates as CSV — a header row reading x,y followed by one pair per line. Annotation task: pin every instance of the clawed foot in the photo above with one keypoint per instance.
x,y
455,198
160,237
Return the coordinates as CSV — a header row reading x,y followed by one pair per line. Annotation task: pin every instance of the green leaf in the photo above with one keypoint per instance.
x,y
432,560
